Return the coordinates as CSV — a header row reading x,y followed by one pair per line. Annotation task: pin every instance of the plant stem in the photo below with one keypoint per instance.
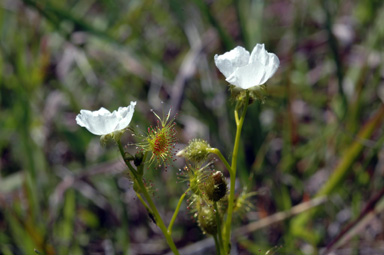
x,y
239,125
176,212
143,202
140,169
218,251
157,216
219,232
121,149
221,157
152,206
237,118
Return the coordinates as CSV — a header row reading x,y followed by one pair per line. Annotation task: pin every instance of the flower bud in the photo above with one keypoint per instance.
x,y
207,220
138,158
197,151
194,184
216,186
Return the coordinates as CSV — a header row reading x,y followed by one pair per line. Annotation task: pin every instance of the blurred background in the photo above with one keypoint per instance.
x,y
318,133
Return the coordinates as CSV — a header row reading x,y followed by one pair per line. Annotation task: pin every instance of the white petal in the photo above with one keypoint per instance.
x,y
229,61
262,65
269,60
97,122
102,111
102,122
248,76
125,114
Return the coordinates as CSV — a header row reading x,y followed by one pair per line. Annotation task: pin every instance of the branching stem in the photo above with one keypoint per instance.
x,y
221,157
228,223
144,192
176,212
219,233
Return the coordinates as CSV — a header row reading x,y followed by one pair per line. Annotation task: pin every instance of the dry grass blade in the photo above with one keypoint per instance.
x,y
204,245
344,166
371,210
280,216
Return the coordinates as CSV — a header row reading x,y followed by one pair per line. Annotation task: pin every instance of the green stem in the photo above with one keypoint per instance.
x,y
239,125
157,216
140,169
152,206
221,157
218,251
143,202
219,232
237,118
176,212
121,149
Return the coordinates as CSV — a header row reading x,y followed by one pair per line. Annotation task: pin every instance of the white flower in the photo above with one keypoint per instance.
x,y
103,122
244,70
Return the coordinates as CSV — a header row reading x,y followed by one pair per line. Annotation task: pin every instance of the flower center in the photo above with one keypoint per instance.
x,y
161,144
160,141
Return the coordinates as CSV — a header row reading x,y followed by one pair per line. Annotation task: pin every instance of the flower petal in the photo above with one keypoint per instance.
x,y
248,76
246,71
97,122
269,60
229,61
125,114
102,122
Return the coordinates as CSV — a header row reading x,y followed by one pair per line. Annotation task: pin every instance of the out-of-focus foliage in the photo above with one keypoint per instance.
x,y
319,131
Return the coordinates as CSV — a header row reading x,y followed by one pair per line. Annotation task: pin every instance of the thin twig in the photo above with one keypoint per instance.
x,y
280,216
374,207
207,243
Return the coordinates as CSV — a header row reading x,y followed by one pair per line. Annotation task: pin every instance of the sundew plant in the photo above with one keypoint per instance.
x,y
212,201
145,127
